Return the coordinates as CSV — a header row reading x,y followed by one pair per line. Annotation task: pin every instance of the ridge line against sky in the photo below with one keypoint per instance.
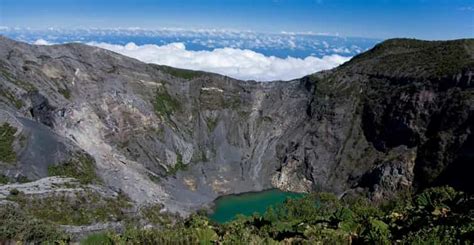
x,y
240,64
434,19
242,55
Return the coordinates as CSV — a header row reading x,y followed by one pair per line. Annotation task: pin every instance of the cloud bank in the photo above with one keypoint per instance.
x,y
237,63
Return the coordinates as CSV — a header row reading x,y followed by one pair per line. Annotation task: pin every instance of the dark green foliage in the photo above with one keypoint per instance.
x,y
22,179
16,225
436,216
14,192
98,239
182,73
7,137
164,104
80,167
4,179
376,232
154,177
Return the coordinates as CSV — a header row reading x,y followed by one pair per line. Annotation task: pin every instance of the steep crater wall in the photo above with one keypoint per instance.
x,y
183,137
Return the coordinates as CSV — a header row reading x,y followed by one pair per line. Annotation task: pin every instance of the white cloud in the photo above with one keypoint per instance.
x,y
237,63
467,8
42,42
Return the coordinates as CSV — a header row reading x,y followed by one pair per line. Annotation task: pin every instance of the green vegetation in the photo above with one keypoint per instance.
x,y
178,166
20,83
436,216
80,167
415,57
232,102
211,123
153,215
22,179
11,98
4,179
199,156
79,209
164,104
98,239
154,177
7,137
14,192
16,225
182,73
65,92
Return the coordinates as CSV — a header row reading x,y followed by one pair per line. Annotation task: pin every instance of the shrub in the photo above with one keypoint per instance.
x,y
7,137
17,225
14,192
436,216
206,235
4,179
164,104
80,167
97,239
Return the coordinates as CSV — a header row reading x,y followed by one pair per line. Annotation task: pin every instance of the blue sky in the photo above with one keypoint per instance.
x,y
426,19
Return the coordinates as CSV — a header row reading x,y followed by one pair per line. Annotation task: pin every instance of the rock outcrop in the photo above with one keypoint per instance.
x,y
398,117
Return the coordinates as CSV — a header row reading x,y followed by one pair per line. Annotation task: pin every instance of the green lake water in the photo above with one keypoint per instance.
x,y
227,207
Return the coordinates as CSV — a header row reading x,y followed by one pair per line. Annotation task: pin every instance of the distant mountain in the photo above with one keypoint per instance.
x,y
398,117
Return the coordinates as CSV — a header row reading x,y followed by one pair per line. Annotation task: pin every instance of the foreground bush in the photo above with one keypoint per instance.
x,y
15,225
436,216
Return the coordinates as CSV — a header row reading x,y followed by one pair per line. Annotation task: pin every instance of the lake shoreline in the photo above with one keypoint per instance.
x,y
226,208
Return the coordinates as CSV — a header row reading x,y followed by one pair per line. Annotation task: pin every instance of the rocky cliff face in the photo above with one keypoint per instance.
x,y
397,117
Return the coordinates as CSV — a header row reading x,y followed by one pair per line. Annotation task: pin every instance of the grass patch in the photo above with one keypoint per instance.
x,y
97,239
11,98
80,167
182,73
418,58
80,209
164,104
7,137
